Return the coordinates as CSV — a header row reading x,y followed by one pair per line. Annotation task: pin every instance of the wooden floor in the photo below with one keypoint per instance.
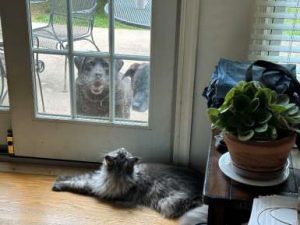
x,y
28,199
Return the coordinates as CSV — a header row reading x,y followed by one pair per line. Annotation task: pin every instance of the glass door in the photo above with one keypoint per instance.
x,y
96,75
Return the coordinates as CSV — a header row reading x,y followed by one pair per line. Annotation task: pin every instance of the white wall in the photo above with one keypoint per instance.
x,y
224,31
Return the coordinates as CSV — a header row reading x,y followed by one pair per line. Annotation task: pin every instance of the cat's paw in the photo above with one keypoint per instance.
x,y
57,186
63,178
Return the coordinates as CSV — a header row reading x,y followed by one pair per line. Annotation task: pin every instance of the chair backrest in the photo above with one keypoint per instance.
x,y
83,15
84,7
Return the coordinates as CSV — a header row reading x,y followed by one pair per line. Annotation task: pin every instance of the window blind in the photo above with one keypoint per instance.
x,y
276,32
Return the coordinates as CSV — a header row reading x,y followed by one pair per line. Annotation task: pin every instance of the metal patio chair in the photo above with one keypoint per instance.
x,y
3,92
55,32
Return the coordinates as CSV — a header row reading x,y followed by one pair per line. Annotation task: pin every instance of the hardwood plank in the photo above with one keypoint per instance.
x,y
27,199
40,169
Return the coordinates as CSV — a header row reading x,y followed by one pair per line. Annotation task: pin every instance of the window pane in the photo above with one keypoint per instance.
x,y
4,100
132,27
49,23
52,84
132,91
90,25
92,77
92,86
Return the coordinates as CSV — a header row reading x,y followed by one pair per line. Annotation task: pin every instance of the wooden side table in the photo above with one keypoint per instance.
x,y
231,202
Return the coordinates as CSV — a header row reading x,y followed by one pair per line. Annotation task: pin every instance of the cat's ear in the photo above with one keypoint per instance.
x,y
131,162
109,160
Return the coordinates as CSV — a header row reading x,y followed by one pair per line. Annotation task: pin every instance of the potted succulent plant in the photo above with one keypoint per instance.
x,y
259,126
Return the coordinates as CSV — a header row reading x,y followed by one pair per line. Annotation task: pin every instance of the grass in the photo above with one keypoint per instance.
x,y
292,21
40,13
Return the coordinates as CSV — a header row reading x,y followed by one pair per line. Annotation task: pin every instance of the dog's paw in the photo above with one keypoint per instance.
x,y
57,186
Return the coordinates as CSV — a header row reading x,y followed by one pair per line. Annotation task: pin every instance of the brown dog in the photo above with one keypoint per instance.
x,y
92,88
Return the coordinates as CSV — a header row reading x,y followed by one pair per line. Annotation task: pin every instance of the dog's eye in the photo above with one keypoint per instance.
x,y
105,65
91,63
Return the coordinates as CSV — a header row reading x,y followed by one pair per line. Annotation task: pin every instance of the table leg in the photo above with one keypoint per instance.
x,y
216,215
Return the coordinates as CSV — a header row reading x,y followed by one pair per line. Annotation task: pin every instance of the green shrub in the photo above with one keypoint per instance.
x,y
252,111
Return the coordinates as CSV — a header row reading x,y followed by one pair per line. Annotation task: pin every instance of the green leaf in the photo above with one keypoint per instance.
x,y
225,109
282,99
261,128
271,95
213,114
291,105
220,124
249,90
257,85
254,104
248,121
293,111
263,117
240,85
293,120
229,96
295,116
274,97
241,102
262,96
297,130
278,108
245,135
282,122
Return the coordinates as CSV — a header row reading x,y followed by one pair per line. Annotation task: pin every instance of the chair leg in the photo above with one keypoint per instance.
x,y
61,46
2,94
37,70
94,43
65,75
3,97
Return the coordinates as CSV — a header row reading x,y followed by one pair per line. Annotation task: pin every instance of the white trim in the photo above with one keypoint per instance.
x,y
187,55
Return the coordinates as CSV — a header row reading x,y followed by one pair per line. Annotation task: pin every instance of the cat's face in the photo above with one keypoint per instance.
x,y
120,161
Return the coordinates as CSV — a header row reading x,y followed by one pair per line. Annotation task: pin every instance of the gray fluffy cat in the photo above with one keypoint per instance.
x,y
170,190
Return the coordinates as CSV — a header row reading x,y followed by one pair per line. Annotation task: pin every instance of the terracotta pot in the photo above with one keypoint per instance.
x,y
259,156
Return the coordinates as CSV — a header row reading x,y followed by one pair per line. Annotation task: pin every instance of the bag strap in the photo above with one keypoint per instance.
x,y
269,66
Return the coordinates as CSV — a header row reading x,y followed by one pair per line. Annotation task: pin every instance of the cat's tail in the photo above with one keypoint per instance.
x,y
195,216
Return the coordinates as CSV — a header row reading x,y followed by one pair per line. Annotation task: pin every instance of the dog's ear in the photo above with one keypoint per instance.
x,y
131,71
78,60
119,64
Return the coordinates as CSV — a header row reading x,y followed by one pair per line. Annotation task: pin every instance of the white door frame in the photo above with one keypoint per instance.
x,y
186,71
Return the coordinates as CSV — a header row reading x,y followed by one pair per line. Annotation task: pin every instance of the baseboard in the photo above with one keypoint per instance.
x,y
42,166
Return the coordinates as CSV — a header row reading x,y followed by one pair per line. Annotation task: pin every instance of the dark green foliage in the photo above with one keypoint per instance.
x,y
252,111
